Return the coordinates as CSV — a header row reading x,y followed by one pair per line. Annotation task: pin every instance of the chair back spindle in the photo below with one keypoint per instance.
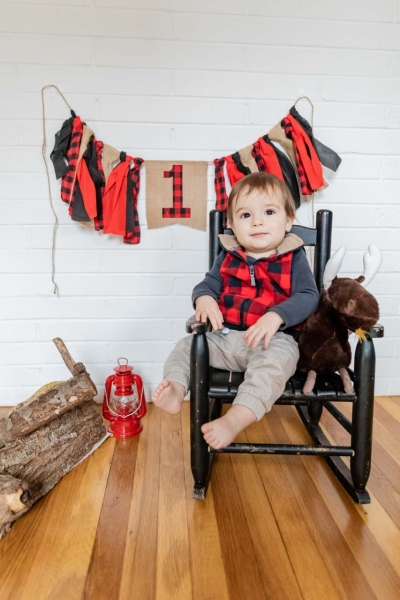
x,y
323,245
216,227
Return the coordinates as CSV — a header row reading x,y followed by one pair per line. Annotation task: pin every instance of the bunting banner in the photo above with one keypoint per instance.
x,y
176,192
101,184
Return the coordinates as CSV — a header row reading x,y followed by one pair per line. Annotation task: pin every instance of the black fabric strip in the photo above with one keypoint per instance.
x,y
328,157
90,157
240,166
78,208
61,144
130,217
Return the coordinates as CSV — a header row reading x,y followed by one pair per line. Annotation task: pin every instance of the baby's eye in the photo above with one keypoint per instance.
x,y
269,211
244,215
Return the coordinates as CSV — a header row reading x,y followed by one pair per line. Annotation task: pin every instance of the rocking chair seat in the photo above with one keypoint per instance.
x,y
224,385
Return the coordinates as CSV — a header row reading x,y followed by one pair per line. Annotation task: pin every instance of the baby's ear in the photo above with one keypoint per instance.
x,y
289,223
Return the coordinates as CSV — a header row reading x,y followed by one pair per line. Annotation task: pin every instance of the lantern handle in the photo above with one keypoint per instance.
x,y
123,358
117,414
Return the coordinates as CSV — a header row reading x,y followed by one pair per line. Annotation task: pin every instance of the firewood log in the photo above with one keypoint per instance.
x,y
44,437
46,404
32,464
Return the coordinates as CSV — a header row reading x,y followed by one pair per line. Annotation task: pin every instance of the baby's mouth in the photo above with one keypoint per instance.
x,y
258,234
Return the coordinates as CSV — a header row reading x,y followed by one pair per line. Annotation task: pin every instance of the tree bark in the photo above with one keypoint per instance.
x,y
74,367
30,466
46,404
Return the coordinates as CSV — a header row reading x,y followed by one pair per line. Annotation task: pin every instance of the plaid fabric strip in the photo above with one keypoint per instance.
x,y
98,221
257,156
306,189
68,180
241,303
134,237
219,185
309,157
177,211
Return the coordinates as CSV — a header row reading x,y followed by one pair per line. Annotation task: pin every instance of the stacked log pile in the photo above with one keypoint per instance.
x,y
44,437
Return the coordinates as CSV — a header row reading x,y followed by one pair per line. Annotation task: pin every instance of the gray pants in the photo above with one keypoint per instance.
x,y
266,371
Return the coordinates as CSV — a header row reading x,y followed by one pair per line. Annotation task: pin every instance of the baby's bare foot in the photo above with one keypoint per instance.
x,y
222,431
168,396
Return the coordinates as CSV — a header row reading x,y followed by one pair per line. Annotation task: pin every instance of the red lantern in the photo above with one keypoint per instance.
x,y
124,402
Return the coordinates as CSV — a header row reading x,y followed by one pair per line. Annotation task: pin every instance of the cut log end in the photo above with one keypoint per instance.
x,y
14,498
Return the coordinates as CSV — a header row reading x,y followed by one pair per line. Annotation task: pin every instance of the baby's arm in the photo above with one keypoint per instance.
x,y
206,295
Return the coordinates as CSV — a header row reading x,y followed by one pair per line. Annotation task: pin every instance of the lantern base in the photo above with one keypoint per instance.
x,y
125,429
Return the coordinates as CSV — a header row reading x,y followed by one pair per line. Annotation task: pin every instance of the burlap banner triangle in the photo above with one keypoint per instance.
x,y
176,192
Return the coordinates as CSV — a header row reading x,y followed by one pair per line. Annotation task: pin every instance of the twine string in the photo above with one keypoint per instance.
x,y
44,148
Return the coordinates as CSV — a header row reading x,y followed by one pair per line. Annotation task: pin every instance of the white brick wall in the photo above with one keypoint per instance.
x,y
188,80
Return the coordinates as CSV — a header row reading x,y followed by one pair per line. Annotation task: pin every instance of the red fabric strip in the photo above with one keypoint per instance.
x,y
269,158
309,165
87,188
114,199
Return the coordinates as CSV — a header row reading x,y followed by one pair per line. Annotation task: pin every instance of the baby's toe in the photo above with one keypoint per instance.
x,y
206,428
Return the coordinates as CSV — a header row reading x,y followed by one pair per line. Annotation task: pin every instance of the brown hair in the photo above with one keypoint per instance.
x,y
267,183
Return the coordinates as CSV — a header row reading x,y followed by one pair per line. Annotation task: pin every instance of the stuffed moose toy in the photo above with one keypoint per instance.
x,y
344,305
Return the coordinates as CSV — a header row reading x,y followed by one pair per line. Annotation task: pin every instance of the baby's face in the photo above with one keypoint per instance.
x,y
260,222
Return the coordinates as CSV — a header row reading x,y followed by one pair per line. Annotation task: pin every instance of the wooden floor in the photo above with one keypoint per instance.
x,y
123,523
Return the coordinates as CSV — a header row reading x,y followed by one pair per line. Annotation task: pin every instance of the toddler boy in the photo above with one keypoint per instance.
x,y
257,292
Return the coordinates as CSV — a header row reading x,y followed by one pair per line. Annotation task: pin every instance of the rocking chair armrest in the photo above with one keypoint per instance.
x,y
197,327
377,331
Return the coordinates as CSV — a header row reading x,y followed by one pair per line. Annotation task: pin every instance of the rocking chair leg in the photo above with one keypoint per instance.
x,y
315,411
199,414
215,409
363,409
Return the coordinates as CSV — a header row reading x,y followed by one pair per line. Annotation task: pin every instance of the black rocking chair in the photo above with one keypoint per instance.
x,y
209,388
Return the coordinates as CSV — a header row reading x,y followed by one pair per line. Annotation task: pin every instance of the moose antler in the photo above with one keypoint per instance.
x,y
372,263
332,267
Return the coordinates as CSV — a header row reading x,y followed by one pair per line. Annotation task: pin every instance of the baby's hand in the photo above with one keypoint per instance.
x,y
266,327
207,308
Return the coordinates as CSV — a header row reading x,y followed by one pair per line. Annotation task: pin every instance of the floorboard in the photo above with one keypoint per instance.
x,y
104,574
206,562
123,523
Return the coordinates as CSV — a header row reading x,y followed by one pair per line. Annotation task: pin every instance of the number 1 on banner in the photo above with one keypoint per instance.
x,y
177,211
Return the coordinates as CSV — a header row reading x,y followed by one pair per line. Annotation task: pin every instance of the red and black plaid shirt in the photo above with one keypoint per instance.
x,y
68,180
249,290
